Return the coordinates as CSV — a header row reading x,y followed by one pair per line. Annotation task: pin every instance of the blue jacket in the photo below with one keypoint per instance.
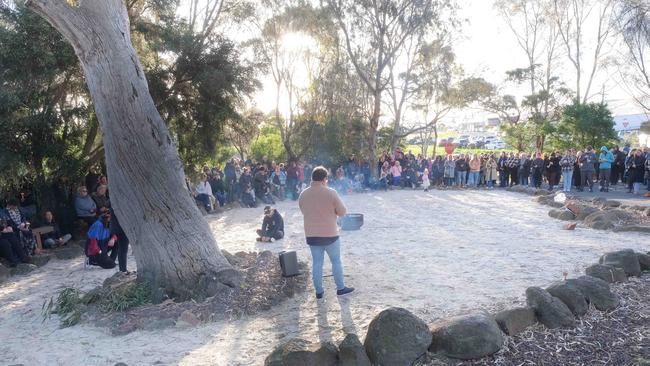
x,y
606,159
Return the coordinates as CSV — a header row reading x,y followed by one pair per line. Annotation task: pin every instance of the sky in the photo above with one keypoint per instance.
x,y
488,49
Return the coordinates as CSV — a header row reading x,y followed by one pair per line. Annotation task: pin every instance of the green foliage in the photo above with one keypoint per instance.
x,y
585,124
269,144
645,127
124,297
43,113
68,305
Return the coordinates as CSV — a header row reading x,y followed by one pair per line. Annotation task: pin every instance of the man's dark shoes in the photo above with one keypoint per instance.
x,y
319,296
344,290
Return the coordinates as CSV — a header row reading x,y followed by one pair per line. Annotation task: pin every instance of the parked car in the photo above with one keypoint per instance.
x,y
463,142
495,145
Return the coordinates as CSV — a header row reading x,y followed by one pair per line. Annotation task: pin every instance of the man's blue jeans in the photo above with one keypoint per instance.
x,y
318,255
567,177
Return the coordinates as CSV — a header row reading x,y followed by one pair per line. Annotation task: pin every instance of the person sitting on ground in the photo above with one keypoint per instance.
x,y
279,181
54,238
396,172
218,188
85,206
272,225
204,193
10,247
21,228
248,197
261,186
101,241
100,197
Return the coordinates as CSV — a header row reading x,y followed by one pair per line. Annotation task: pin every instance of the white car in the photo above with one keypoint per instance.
x,y
495,145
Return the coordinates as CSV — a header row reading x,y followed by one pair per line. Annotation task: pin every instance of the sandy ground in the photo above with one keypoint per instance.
x,y
436,254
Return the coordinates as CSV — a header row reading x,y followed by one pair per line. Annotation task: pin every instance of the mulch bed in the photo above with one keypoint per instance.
x,y
263,288
620,337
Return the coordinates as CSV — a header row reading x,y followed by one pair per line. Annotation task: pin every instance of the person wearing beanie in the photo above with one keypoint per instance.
x,y
606,158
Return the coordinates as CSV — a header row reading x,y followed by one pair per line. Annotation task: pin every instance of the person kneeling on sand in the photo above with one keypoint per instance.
x,y
320,206
272,226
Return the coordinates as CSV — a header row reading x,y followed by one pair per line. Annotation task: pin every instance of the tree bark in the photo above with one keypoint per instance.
x,y
174,247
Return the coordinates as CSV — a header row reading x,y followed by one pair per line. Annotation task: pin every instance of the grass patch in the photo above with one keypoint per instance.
x,y
125,297
71,303
68,305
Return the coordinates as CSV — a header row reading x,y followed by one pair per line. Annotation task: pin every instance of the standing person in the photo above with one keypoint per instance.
x,y
618,168
513,167
231,179
396,172
553,169
449,171
588,168
425,180
567,164
461,171
606,159
320,206
537,169
636,169
122,242
502,168
474,171
491,171
524,169
292,180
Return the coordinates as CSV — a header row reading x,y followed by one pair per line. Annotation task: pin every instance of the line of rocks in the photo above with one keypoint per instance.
x,y
397,337
598,213
70,251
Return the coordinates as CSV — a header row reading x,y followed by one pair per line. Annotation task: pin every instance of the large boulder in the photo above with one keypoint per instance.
x,y
39,260
70,251
396,337
515,321
625,259
571,296
644,261
606,273
549,310
596,291
610,204
585,211
352,353
606,220
562,214
466,337
23,269
298,352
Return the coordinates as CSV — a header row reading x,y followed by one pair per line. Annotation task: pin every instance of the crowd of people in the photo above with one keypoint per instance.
x,y
106,241
253,182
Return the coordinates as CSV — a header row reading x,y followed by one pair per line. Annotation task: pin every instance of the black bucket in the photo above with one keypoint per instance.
x,y
352,221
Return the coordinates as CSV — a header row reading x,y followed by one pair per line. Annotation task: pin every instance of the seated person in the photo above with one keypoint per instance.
x,y
85,206
100,197
248,197
10,247
54,238
100,242
20,226
204,193
218,188
272,226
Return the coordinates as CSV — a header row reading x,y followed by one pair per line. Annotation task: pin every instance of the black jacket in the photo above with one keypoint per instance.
x,y
273,224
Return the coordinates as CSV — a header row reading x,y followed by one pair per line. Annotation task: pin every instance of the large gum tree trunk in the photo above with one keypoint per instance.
x,y
173,245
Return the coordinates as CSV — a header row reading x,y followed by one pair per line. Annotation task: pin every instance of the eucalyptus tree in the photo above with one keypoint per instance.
x,y
174,249
373,31
633,22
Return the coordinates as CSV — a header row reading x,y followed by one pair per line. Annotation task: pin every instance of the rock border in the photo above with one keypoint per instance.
x,y
598,213
475,335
